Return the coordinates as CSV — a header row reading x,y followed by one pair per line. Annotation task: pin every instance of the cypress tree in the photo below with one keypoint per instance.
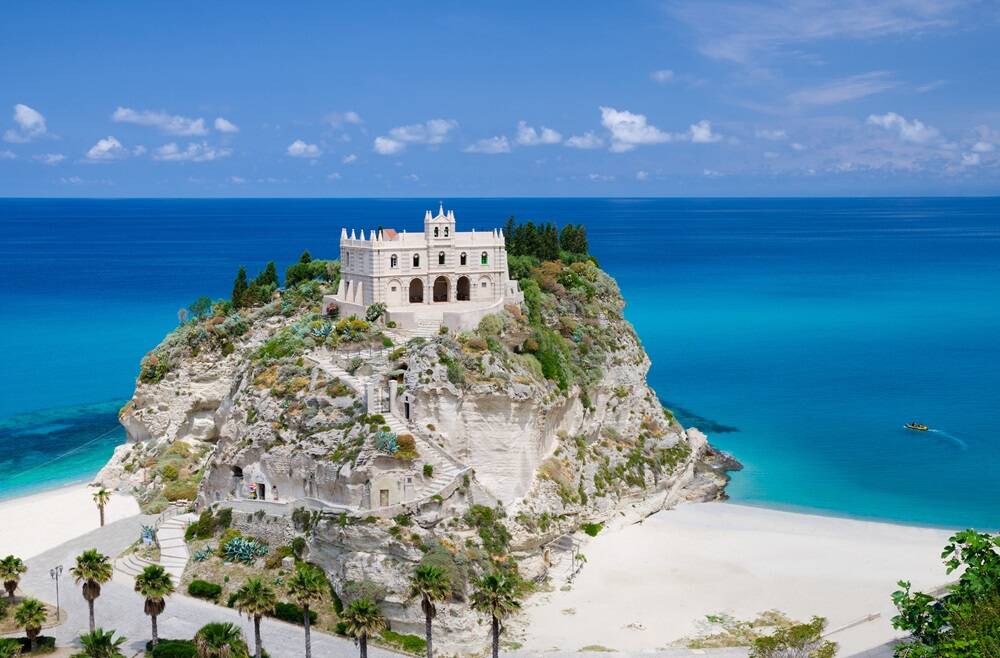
x,y
306,257
240,288
549,243
269,276
508,231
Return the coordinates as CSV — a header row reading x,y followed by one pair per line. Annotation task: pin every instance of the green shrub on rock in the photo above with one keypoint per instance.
x,y
203,589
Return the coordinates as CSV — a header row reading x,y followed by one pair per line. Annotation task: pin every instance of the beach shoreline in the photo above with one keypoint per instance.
x,y
35,522
650,585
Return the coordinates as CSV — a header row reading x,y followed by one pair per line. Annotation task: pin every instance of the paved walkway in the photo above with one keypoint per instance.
x,y
173,549
120,608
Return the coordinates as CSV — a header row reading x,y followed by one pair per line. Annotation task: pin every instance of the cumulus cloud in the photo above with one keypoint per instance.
x,y
193,152
970,159
226,126
587,140
600,178
629,130
338,119
106,150
528,136
334,176
50,158
642,175
982,147
30,125
237,180
413,178
170,124
300,149
432,132
910,131
701,133
490,146
661,76
711,173
349,158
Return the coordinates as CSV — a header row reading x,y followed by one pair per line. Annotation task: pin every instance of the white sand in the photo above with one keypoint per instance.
x,y
33,524
647,586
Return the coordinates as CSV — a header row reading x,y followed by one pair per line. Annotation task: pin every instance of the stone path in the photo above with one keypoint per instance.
x,y
121,609
173,549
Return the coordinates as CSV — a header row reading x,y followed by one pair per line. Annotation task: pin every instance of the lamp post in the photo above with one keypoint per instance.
x,y
55,573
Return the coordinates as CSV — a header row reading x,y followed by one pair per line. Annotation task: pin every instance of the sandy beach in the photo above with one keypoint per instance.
x,y
647,586
32,524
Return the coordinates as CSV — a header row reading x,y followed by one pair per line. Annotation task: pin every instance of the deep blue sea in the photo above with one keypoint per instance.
x,y
799,334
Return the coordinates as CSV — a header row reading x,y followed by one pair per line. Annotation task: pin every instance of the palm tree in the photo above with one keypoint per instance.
x,y
30,616
307,586
92,569
496,595
220,640
256,599
101,644
101,497
11,568
155,584
431,584
363,619
9,647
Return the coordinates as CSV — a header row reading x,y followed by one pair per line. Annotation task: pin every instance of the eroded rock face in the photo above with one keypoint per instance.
x,y
547,407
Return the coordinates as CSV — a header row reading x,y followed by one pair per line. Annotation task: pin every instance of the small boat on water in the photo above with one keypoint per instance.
x,y
919,427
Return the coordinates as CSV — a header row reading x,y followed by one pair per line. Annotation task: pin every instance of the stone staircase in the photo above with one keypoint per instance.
x,y
445,470
173,549
426,328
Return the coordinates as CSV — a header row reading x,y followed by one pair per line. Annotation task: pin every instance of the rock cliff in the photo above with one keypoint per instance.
x,y
518,434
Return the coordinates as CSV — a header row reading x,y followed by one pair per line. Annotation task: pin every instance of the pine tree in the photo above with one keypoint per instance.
x,y
268,276
548,248
240,288
306,257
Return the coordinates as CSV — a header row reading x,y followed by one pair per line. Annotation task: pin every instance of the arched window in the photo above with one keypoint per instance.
x,y
445,231
416,260
347,256
462,259
435,231
440,258
393,261
484,258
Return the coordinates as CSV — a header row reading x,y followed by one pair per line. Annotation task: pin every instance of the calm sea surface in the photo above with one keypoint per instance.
x,y
799,334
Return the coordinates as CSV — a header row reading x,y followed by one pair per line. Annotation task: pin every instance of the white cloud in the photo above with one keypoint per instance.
x,y
490,146
413,178
844,89
798,147
771,155
587,140
711,173
528,136
50,158
642,175
349,158
7,155
106,149
170,124
299,149
771,134
139,150
194,152
30,124
910,131
72,180
701,133
334,176
338,119
743,31
387,146
237,180
600,178
629,130
662,76
225,125
982,147
432,132
970,159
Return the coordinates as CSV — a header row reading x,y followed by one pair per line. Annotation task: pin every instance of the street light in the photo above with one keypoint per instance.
x,y
54,573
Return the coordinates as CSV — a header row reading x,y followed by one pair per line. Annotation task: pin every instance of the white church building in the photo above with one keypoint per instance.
x,y
441,277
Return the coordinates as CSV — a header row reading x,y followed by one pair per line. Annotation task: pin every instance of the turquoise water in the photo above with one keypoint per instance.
x,y
800,334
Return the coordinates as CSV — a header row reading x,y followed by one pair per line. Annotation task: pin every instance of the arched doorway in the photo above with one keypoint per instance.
x,y
462,289
416,291
441,289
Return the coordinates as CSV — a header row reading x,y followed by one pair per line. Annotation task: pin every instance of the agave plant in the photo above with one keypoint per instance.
x,y
147,532
241,549
321,330
386,442
202,555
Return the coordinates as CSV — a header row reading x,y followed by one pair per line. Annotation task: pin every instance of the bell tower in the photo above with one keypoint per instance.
x,y
440,228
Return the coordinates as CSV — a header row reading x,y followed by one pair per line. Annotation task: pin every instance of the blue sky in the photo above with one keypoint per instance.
x,y
687,97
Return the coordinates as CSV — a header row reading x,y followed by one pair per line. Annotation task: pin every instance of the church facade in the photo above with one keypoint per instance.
x,y
428,274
